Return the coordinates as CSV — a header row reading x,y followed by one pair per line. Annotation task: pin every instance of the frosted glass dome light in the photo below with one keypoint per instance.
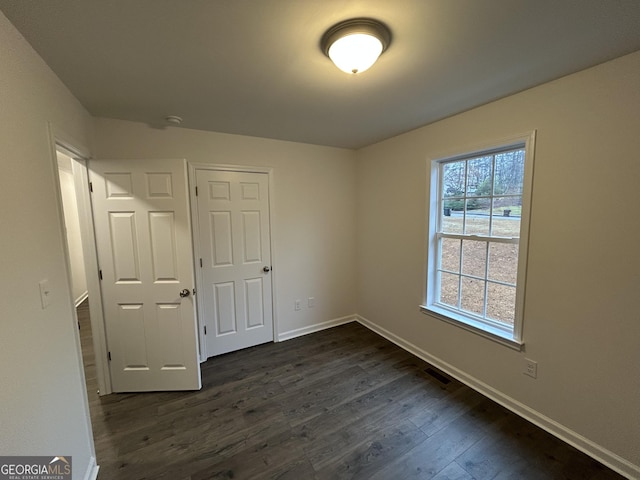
x,y
355,53
355,45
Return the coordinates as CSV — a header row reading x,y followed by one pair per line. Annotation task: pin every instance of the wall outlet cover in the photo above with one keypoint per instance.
x,y
530,368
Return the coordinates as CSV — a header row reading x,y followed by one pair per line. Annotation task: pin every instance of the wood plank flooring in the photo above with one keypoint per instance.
x,y
343,403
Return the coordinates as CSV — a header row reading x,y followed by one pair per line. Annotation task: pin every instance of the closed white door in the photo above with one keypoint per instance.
x,y
145,254
234,242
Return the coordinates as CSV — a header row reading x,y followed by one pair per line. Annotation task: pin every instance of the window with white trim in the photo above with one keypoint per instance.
x,y
478,230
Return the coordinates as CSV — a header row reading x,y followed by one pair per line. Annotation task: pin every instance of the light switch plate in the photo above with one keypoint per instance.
x,y
45,293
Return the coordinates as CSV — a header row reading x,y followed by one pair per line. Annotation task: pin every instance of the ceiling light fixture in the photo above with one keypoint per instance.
x,y
355,45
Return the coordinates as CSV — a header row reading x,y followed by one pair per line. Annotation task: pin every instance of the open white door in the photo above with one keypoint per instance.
x,y
144,247
235,268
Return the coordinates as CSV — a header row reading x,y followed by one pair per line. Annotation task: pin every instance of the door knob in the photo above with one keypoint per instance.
x,y
266,269
184,292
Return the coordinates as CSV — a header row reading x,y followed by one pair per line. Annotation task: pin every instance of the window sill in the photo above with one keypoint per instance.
x,y
478,328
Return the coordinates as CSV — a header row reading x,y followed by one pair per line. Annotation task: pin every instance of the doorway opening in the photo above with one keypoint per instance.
x,y
74,198
75,255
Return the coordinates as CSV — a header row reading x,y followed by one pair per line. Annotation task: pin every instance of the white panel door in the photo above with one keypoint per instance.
x,y
233,225
145,253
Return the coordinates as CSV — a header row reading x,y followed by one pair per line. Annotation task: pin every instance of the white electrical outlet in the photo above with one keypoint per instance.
x,y
311,302
296,305
530,368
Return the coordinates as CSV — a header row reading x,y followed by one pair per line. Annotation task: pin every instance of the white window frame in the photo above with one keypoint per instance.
x,y
492,330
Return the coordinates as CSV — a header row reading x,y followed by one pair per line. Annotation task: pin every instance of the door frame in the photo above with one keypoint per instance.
x,y
195,235
59,140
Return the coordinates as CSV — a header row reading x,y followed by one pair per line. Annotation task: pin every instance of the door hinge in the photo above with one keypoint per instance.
x,y
205,329
200,263
100,274
196,190
109,355
91,187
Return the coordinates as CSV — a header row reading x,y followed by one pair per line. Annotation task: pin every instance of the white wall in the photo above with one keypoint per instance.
x,y
43,409
72,224
581,319
314,208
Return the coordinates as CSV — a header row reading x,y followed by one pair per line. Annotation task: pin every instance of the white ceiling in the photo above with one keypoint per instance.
x,y
254,67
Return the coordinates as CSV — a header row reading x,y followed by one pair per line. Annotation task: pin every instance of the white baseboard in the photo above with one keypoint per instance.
x,y
81,298
608,458
92,470
298,332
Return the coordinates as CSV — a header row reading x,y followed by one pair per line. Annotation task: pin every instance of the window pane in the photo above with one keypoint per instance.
x,y
477,217
480,202
472,295
503,262
450,254
501,303
474,258
453,179
479,176
451,219
449,289
509,172
453,192
506,216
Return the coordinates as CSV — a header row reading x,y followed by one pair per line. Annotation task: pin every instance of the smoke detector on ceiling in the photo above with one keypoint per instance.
x,y
174,120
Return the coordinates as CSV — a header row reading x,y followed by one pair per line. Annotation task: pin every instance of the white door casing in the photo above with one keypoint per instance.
x,y
235,287
143,238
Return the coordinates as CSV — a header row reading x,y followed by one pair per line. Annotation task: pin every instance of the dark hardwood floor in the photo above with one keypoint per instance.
x,y
343,403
